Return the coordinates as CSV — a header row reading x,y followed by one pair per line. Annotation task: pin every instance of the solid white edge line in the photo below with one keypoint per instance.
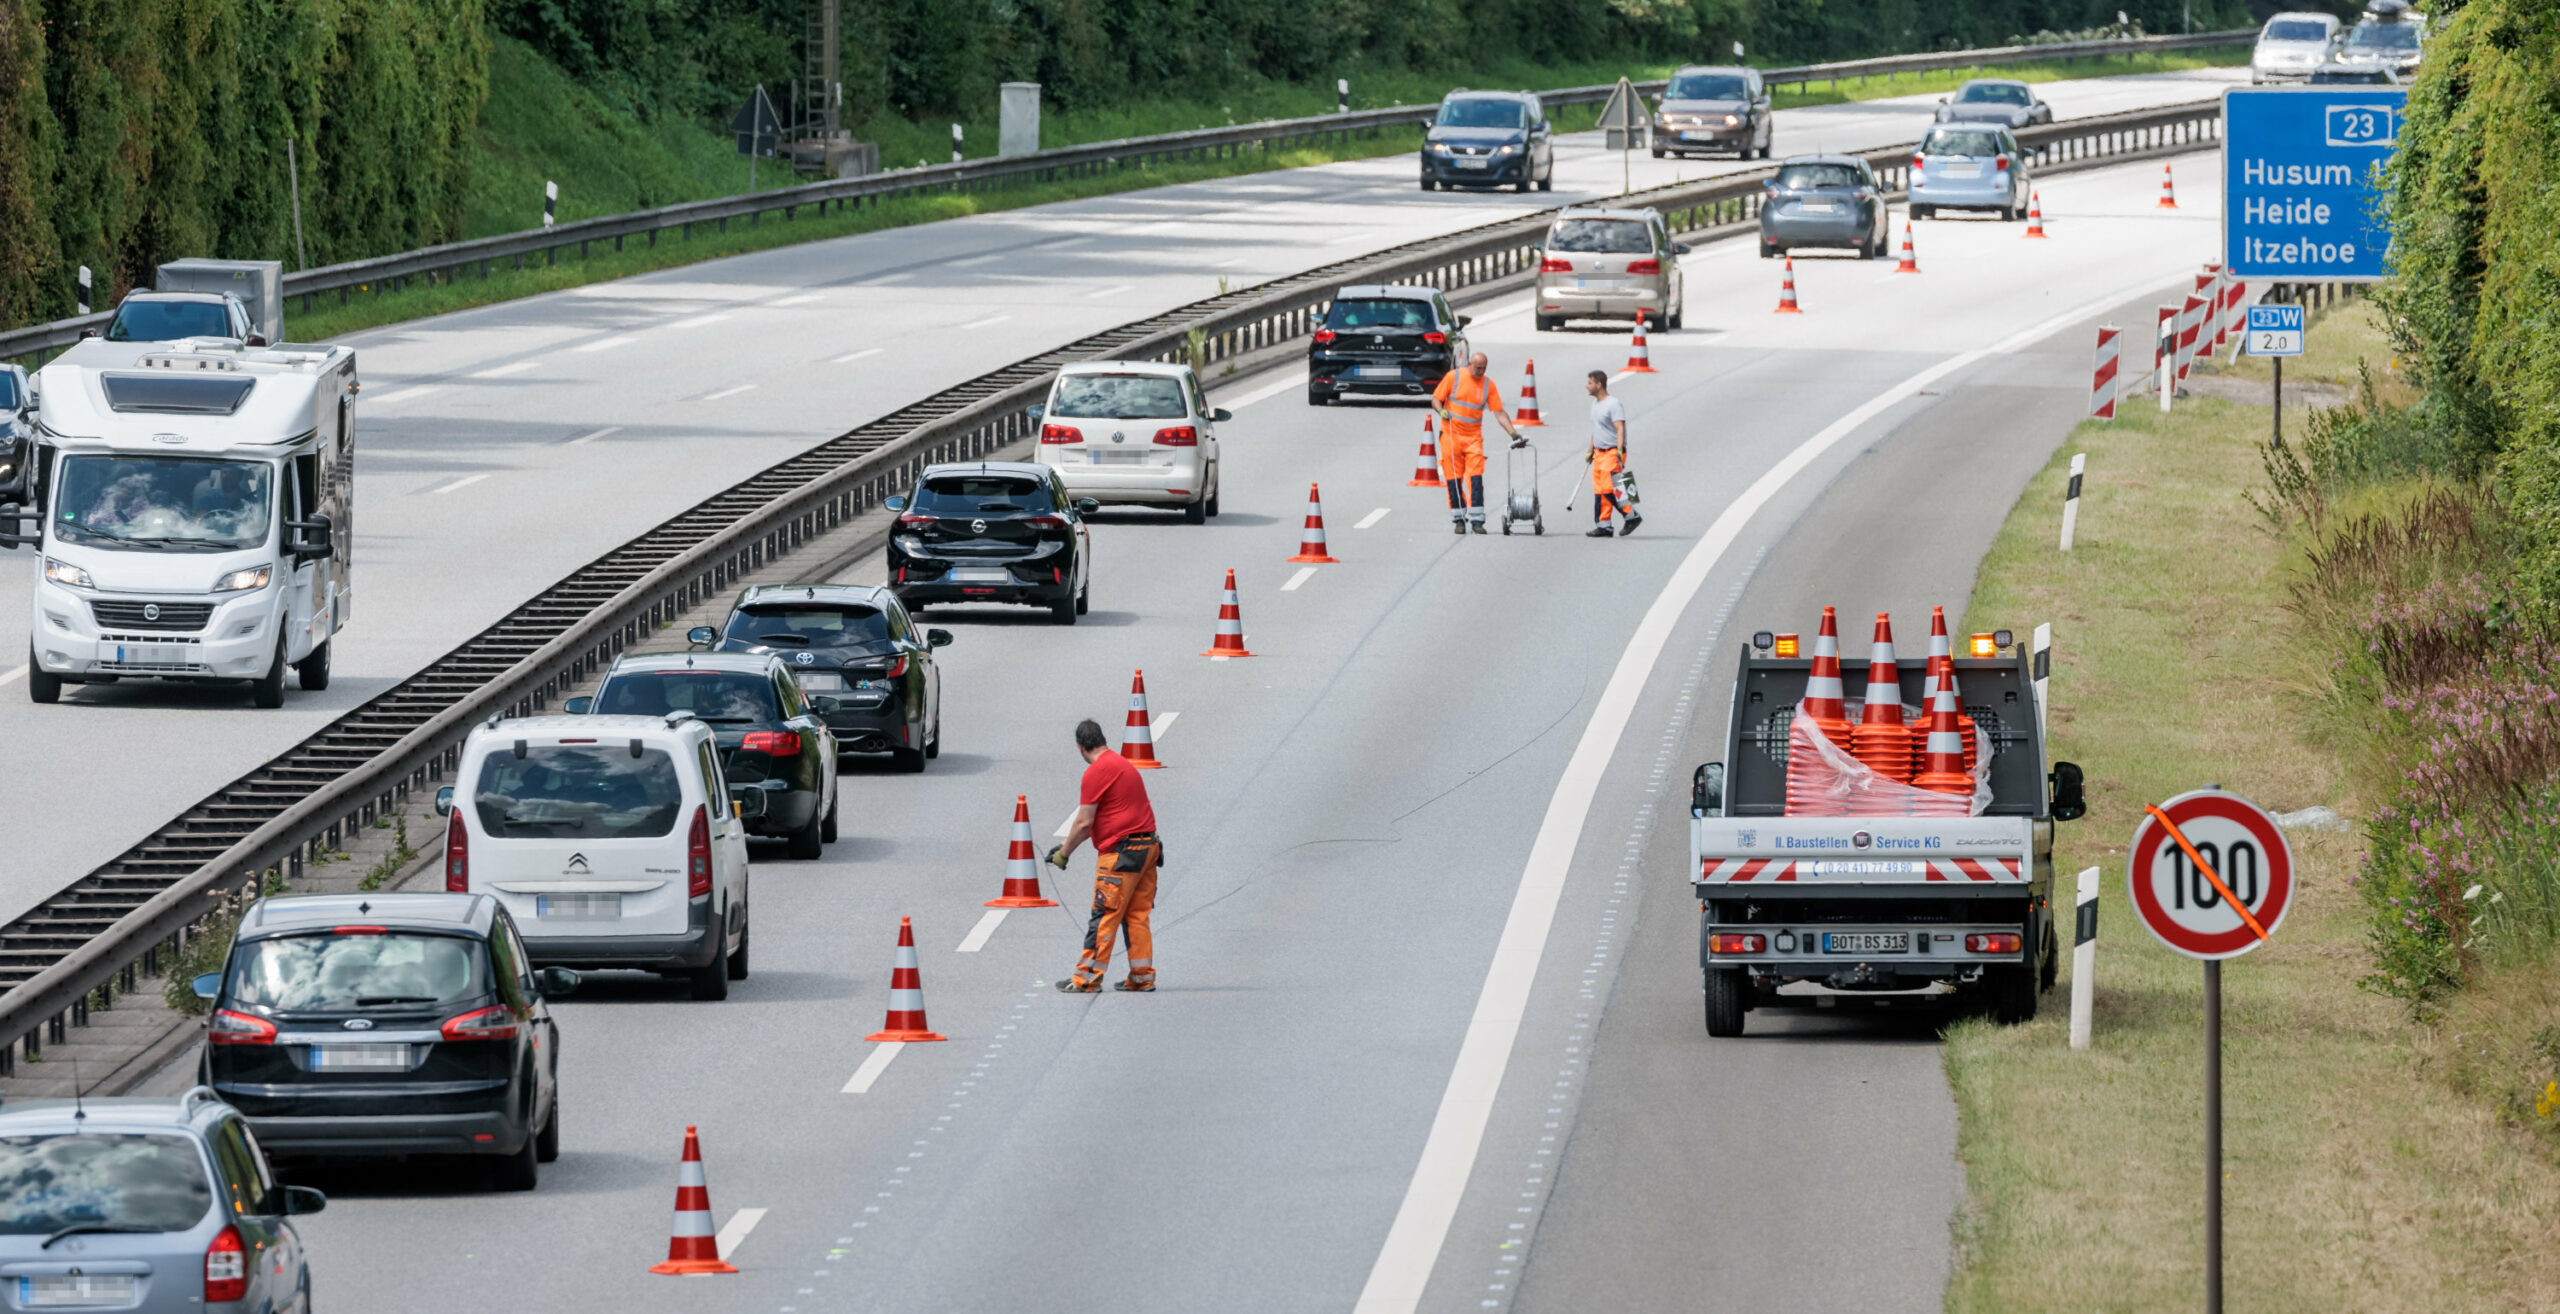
x,y
464,482
736,1229
1288,382
873,1064
502,371
7,676
976,939
1421,1227
586,438
1373,517
607,344
1304,574
728,392
989,322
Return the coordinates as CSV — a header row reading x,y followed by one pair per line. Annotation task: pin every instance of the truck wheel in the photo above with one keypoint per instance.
x,y
1726,991
2013,994
43,686
2052,969
313,670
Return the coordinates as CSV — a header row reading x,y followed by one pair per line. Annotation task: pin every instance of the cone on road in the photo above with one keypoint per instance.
x,y
2168,188
1639,360
1910,264
1528,417
1943,770
1881,740
1311,539
1787,292
1426,467
2035,214
906,988
1824,699
1022,862
1941,674
1229,641
1138,736
693,1247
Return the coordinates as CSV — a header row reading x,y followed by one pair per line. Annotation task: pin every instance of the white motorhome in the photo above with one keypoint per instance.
x,y
192,507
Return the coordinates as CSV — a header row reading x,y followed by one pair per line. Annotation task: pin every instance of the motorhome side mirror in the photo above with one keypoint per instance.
x,y
2070,803
898,503
1706,790
702,636
311,537
1087,506
578,706
207,986
937,638
300,1200
444,797
1221,415
554,982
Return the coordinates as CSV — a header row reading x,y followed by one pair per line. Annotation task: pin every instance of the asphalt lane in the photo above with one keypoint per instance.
x,y
505,446
1347,814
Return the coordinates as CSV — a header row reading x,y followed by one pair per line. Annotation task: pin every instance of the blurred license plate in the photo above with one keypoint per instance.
x,y
376,1057
146,654
1474,164
1594,284
1697,136
873,684
1380,371
1961,170
1116,458
605,907
1816,207
980,575
821,683
75,1291
1867,942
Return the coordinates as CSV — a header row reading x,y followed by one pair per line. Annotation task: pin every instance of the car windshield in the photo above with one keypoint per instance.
x,y
1707,86
1601,236
115,1180
331,971
1483,112
810,625
2383,36
1391,313
2296,30
160,503
969,495
1802,177
586,791
717,696
1993,93
9,398
1974,143
167,321
1117,397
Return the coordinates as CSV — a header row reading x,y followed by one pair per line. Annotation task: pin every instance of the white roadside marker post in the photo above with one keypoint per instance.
x,y
2084,959
2042,672
2071,498
1342,95
2165,350
550,203
955,143
81,298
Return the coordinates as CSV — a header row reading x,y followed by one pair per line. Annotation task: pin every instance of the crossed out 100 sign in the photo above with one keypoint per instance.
x,y
2193,857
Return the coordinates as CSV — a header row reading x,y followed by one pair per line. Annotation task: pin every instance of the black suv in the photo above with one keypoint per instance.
x,y
992,531
1487,139
1392,339
772,736
854,645
388,1024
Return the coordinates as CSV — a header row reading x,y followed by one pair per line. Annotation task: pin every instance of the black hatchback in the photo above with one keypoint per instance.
x,y
992,531
1384,339
852,644
772,736
352,1025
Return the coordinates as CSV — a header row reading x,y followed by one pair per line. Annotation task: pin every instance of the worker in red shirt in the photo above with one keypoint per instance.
x,y
1115,815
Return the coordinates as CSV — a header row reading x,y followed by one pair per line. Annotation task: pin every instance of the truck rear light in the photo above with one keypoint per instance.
x,y
226,1267
697,855
1644,266
1061,433
1983,645
1323,336
1787,646
1180,435
772,743
1994,942
1726,943
491,1023
457,855
1551,265
230,1028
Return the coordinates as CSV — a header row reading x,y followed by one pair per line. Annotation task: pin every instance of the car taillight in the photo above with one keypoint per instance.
x,y
1996,942
457,855
1045,522
1551,265
915,520
1061,433
697,855
2000,162
491,1023
1323,336
230,1028
226,1267
1180,435
1721,943
773,743
1436,338
1919,162
1644,266
897,667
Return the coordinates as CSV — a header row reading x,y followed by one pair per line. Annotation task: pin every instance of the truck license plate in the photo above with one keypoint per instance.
x,y
1866,942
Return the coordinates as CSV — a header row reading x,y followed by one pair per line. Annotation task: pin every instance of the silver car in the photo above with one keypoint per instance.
x,y
2291,47
1824,200
1969,166
147,1205
1609,264
2005,101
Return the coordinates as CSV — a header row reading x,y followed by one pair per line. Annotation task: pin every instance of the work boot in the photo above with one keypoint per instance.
x,y
1072,986
1633,520
1457,526
1475,526
1601,531
1135,987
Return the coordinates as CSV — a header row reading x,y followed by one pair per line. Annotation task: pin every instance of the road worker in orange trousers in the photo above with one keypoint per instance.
x,y
1115,814
1608,456
1461,401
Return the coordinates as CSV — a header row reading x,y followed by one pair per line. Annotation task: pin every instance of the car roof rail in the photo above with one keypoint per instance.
x,y
679,717
194,1096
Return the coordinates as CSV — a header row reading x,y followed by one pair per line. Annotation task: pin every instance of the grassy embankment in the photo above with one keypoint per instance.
x,y
2365,1170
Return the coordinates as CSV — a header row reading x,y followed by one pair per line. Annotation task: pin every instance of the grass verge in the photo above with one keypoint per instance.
x,y
2356,1178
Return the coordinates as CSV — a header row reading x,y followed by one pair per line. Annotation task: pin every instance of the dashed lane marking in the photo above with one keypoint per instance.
x,y
7,676
727,392
1304,574
1290,382
977,937
697,321
1373,517
800,300
736,1229
989,322
852,356
464,482
873,1064
607,344
1111,291
502,371
585,438
405,394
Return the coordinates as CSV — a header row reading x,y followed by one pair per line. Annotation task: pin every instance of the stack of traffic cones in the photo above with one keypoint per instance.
x,y
1910,264
1825,700
1787,292
693,1247
1942,675
1138,736
1311,539
906,987
1528,416
1881,740
1022,863
2035,214
1942,762
2168,188
1426,466
1639,360
1229,641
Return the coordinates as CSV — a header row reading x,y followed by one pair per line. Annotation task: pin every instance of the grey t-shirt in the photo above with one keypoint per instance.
x,y
1606,414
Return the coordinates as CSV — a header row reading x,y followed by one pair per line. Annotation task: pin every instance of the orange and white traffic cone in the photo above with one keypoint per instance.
x,y
1941,674
1639,360
1138,736
1311,538
1022,861
2035,214
1824,698
1528,417
1787,292
693,1247
1881,740
2168,188
1229,641
1910,264
1944,771
906,988
1426,465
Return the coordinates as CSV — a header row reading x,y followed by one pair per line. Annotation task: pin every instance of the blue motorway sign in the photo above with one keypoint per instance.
x,y
2298,184
2273,330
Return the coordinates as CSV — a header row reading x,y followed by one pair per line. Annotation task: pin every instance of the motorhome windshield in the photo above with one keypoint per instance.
x,y
164,503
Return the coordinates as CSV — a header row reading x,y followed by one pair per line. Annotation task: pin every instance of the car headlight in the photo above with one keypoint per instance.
x,y
240,581
1733,120
1440,146
63,572
1506,150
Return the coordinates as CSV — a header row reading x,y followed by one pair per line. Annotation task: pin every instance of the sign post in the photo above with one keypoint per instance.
x,y
2275,332
2299,185
2210,874
1621,120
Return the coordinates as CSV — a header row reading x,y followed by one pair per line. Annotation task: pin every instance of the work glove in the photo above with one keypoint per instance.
x,y
1518,442
1057,856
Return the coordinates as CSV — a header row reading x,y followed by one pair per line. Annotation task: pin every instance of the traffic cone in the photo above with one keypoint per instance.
x,y
1787,292
1640,361
1910,264
1943,770
1426,465
2035,214
1022,863
1138,737
1881,740
906,983
2168,188
1311,539
1941,674
1824,699
1528,416
694,1245
1229,641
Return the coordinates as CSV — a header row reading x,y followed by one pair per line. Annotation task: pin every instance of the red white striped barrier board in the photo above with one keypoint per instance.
x,y
2102,383
1736,871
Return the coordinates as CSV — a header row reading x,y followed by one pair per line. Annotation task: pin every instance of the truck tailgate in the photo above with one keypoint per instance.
x,y
1861,850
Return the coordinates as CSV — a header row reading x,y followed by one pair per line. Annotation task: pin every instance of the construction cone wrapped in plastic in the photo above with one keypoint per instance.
x,y
1426,467
906,988
1022,861
1943,771
2168,188
1138,736
1910,264
1229,641
693,1247
1639,359
1528,417
1787,292
2035,214
1311,539
1881,740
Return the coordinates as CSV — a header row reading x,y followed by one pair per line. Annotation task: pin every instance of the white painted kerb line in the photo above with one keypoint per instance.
x,y
736,1229
977,937
873,1065
1421,1226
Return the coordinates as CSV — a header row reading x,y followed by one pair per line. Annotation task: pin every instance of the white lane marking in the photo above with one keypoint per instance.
x,y
852,356
800,300
1228,264
697,321
1289,382
585,438
503,371
1373,517
735,1230
1353,236
1063,243
1304,574
873,1064
975,260
464,482
1111,291
607,344
728,392
405,394
989,322
7,677
976,939
1431,1199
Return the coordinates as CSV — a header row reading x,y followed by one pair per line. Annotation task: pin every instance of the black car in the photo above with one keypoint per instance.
x,y
1714,109
772,735
855,646
388,1024
1488,139
1389,339
992,531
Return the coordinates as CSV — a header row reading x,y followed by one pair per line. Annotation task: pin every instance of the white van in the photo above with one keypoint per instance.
x,y
612,840
1133,433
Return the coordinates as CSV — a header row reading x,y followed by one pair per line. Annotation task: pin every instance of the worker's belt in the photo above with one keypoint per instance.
x,y
1134,850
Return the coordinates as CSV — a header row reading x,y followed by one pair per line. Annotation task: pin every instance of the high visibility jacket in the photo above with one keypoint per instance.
x,y
1467,399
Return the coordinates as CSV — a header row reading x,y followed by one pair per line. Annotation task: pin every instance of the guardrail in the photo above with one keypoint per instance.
x,y
100,935
478,257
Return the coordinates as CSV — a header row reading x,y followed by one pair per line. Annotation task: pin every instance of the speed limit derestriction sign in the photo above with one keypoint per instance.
x,y
2231,848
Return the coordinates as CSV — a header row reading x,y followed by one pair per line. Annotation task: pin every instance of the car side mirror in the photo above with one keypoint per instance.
x,y
747,799
1679,248
300,1200
702,636
1706,790
444,801
1464,320
253,340
1036,409
899,503
207,986
1942,100
88,333
1221,415
2070,800
578,706
825,704
1086,506
937,638
554,982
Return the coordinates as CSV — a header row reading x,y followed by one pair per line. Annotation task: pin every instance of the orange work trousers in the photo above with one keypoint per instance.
x,y
1123,901
1461,453
1606,462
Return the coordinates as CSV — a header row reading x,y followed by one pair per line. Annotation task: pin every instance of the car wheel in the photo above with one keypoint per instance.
x,y
546,1144
711,980
1657,152
1924,212
1196,512
932,747
807,842
1548,183
1768,249
267,690
1315,398
827,829
1725,990
1063,611
521,1170
746,933
1523,185
313,670
1084,603
43,686
1426,184
1213,499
